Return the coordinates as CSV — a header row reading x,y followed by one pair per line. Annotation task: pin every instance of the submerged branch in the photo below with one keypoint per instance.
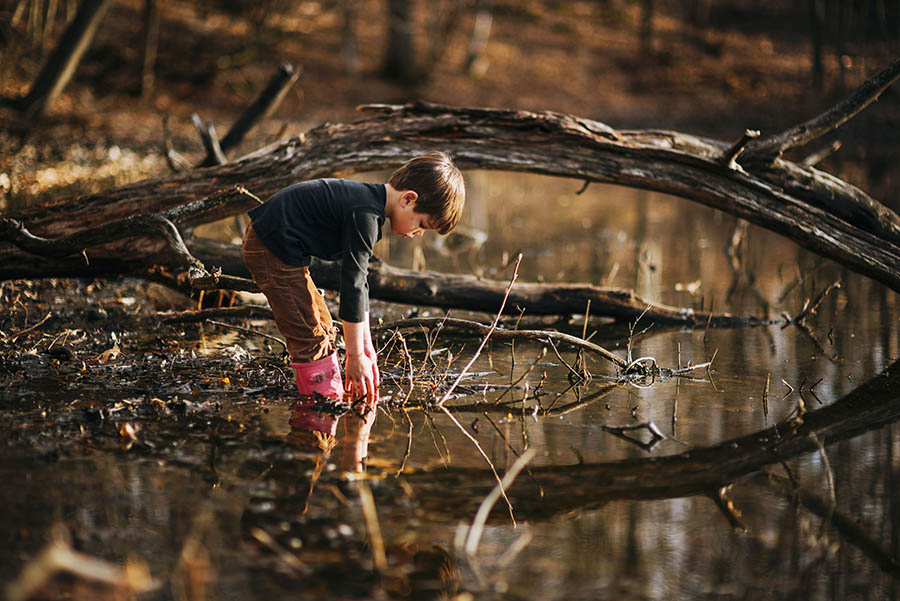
x,y
501,334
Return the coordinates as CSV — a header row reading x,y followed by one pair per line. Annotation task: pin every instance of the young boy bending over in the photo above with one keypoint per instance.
x,y
340,219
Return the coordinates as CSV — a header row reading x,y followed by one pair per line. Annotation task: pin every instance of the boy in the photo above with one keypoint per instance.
x,y
331,219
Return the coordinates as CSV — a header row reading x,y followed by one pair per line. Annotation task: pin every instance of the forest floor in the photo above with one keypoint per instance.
x,y
746,70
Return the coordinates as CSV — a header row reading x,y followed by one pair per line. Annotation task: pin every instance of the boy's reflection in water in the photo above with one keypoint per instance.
x,y
282,520
315,431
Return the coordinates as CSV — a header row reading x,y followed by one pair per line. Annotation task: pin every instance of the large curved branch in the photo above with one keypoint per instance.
x,y
819,212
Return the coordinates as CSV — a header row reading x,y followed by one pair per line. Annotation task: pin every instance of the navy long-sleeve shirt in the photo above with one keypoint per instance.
x,y
329,219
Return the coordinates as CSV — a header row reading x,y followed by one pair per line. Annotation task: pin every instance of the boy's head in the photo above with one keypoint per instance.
x,y
439,186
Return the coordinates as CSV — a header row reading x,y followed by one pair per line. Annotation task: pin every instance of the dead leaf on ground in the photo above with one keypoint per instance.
x,y
109,354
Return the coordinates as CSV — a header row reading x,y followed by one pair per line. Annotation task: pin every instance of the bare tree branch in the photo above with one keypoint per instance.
x,y
770,148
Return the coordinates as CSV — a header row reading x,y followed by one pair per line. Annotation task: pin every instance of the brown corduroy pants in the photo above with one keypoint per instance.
x,y
300,311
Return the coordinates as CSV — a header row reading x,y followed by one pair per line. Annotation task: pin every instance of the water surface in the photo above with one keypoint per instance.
x,y
214,492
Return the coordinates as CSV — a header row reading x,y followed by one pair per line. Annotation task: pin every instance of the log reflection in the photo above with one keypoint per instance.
x,y
698,471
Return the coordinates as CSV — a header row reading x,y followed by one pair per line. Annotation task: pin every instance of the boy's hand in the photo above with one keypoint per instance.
x,y
361,369
360,377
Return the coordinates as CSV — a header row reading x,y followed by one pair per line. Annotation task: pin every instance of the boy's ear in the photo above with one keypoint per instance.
x,y
409,197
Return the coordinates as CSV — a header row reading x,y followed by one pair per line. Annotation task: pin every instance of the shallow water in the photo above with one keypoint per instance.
x,y
216,464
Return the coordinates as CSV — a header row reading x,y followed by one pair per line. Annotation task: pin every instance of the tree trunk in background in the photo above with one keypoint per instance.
x,y
61,65
646,27
816,26
150,46
845,12
698,13
49,19
400,62
476,61
349,40
444,18
879,15
262,108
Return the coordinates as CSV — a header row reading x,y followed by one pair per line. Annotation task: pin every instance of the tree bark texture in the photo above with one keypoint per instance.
x,y
816,210
150,47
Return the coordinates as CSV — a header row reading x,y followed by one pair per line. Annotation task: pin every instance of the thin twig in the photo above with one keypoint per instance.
x,y
771,147
811,306
726,506
619,431
572,371
816,157
512,448
712,304
486,458
372,526
13,337
409,442
58,556
729,157
433,430
522,377
459,378
487,504
408,358
286,557
829,475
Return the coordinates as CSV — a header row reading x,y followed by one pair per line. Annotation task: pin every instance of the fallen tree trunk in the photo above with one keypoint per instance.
x,y
816,210
466,292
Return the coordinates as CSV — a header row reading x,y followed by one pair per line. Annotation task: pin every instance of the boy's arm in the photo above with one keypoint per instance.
x,y
361,369
372,353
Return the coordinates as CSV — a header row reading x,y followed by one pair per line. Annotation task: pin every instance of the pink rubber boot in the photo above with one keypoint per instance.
x,y
323,377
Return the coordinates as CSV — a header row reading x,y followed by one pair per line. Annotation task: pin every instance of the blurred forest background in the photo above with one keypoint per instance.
x,y
709,67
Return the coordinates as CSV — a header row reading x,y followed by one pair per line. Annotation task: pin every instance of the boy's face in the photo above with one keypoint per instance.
x,y
406,222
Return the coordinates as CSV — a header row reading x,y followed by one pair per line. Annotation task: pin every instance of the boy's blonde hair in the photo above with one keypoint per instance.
x,y
439,185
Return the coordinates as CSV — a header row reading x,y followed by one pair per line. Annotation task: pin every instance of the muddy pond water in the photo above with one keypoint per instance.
x,y
177,453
